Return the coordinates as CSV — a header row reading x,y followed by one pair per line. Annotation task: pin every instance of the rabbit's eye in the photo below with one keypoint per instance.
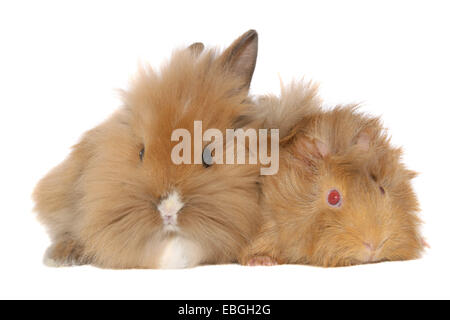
x,y
334,198
207,158
374,178
141,153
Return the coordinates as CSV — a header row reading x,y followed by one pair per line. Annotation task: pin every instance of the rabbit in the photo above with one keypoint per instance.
x,y
342,195
118,200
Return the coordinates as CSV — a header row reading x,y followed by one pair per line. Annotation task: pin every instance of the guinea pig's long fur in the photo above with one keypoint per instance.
x,y
296,101
118,201
339,152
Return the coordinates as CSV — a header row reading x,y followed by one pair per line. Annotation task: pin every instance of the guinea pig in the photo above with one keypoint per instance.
x,y
342,195
120,201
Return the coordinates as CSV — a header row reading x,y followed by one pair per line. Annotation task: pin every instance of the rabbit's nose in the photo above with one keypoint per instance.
x,y
169,220
169,207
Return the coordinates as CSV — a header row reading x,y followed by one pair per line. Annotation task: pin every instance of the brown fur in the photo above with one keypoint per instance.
x,y
99,205
341,149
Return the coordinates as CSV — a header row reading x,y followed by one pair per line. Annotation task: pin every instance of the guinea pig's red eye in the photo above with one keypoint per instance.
x,y
334,198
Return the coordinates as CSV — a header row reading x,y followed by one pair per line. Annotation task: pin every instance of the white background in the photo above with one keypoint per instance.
x,y
60,62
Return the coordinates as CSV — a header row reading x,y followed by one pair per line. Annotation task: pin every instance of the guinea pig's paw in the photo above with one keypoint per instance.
x,y
64,254
262,261
425,244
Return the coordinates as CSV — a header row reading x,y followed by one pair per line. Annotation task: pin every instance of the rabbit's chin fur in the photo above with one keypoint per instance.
x,y
118,200
344,150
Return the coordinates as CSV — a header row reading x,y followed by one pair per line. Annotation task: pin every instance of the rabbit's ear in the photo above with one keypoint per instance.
x,y
240,57
196,48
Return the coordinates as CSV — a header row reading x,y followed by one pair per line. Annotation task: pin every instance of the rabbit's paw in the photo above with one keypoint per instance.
x,y
64,254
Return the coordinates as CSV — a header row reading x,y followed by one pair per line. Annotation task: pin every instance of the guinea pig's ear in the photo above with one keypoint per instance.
x,y
322,148
240,57
196,48
311,148
363,141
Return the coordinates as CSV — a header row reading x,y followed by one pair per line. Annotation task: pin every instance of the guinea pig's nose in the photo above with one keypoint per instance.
x,y
374,249
369,246
370,252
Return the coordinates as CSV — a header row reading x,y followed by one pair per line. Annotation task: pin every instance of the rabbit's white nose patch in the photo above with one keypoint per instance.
x,y
169,207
